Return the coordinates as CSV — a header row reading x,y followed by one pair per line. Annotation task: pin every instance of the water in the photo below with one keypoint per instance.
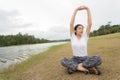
x,y
14,54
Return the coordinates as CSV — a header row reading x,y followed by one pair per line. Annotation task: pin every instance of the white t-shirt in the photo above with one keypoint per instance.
x,y
79,47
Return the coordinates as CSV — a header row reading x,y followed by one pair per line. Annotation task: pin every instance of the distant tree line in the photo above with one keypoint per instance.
x,y
60,40
106,29
20,39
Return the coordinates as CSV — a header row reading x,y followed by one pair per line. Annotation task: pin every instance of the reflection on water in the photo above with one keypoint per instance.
x,y
13,54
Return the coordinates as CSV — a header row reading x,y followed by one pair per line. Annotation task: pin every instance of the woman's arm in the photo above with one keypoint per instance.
x,y
89,22
72,22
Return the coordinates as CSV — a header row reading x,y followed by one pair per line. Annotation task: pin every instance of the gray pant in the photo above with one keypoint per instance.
x,y
88,62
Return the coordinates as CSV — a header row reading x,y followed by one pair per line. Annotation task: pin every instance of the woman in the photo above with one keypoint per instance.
x,y
79,38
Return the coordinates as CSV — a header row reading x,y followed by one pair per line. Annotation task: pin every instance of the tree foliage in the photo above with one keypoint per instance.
x,y
106,29
20,39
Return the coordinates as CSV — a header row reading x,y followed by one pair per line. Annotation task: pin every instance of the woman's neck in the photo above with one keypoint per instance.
x,y
79,36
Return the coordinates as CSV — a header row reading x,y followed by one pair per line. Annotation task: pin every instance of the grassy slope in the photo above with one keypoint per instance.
x,y
47,66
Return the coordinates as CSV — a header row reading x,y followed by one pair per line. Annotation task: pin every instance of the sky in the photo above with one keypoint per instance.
x,y
50,19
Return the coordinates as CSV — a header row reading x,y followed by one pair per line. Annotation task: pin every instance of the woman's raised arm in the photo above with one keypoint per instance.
x,y
89,22
72,22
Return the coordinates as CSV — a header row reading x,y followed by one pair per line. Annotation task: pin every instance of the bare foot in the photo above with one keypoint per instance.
x,y
94,71
81,68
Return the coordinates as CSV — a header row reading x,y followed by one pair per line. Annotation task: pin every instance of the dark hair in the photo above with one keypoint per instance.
x,y
76,26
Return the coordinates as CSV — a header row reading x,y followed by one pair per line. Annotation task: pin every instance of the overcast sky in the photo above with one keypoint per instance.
x,y
50,18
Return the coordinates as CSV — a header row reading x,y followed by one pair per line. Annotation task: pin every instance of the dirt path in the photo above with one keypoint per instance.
x,y
50,68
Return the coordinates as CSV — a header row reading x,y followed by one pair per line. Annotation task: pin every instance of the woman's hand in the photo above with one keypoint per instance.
x,y
81,8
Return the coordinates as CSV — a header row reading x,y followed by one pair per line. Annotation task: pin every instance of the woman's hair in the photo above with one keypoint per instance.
x,y
76,26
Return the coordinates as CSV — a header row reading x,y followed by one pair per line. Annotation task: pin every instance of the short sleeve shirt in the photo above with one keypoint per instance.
x,y
79,47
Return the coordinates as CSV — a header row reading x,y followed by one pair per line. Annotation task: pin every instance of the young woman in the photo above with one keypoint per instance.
x,y
79,38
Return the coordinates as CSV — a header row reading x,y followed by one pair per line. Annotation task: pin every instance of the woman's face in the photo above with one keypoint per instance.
x,y
79,30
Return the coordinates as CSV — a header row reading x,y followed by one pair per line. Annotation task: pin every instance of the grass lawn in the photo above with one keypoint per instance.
x,y
46,66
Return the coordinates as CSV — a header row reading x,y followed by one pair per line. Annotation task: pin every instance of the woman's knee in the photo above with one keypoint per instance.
x,y
98,59
70,63
92,61
63,62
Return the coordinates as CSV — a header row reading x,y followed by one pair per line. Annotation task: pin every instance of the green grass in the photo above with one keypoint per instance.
x,y
46,66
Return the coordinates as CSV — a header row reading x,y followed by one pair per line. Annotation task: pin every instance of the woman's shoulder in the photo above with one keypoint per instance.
x,y
73,35
85,34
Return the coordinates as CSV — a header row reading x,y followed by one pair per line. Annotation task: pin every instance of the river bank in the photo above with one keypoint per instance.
x,y
16,54
13,72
